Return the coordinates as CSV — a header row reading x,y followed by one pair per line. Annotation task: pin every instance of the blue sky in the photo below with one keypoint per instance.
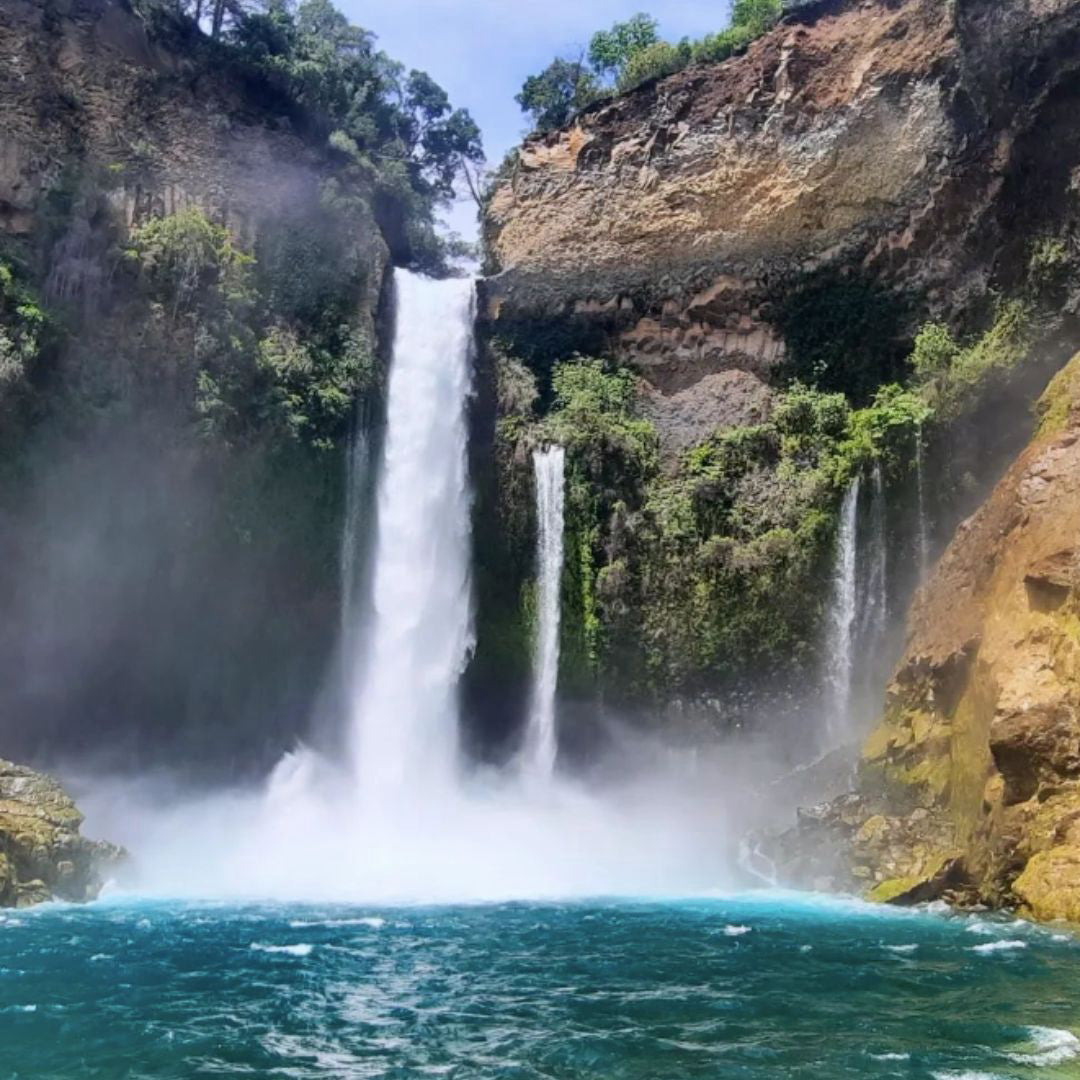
x,y
482,50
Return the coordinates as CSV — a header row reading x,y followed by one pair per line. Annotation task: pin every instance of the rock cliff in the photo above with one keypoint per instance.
x,y
913,144
205,273
971,785
42,855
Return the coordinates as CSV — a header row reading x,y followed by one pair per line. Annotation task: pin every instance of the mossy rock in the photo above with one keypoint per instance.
x,y
1059,399
918,888
42,855
1049,887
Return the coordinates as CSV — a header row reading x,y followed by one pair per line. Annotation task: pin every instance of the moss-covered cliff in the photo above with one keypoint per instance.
x,y
796,266
969,786
193,254
42,854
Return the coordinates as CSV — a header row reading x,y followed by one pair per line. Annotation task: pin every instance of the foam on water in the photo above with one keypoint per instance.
x,y
1004,945
1050,1046
299,949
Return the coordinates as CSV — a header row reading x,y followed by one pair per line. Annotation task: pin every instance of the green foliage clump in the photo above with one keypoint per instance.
x,y
610,51
594,419
22,328
187,261
558,93
653,63
1049,266
266,348
951,373
749,20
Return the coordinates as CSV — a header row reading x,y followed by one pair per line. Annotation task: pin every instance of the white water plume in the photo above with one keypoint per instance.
x,y
841,619
541,746
403,710
397,819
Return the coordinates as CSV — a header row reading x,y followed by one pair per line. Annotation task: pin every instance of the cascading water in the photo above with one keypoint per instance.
x,y
841,619
403,709
875,603
396,818
920,493
540,746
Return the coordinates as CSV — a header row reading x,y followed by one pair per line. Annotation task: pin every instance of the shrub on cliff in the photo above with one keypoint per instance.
x,y
259,349
22,327
952,373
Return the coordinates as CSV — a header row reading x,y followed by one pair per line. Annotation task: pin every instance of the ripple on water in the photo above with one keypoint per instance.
x,y
585,991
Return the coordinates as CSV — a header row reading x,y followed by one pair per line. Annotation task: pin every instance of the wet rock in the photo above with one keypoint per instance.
x,y
43,856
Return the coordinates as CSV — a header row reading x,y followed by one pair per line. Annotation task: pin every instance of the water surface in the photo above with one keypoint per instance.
x,y
754,988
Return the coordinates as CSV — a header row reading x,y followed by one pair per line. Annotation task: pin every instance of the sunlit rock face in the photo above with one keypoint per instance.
x,y
889,141
42,855
971,786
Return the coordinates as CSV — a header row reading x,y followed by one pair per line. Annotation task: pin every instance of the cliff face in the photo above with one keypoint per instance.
x,y
42,855
911,144
204,276
971,785
84,85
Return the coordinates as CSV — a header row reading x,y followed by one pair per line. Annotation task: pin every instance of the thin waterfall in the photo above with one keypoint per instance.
x,y
541,745
403,705
920,488
876,602
841,618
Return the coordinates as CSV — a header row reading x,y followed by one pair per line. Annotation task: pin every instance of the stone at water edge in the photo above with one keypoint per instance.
x,y
43,856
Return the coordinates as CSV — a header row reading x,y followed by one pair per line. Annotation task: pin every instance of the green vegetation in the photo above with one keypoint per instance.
x,y
396,129
629,54
22,327
681,577
950,373
269,360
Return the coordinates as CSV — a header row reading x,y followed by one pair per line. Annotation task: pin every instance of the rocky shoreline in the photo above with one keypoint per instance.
x,y
43,855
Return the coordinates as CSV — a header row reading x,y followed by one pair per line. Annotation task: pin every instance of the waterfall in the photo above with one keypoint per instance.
x,y
875,605
841,617
920,489
403,702
540,745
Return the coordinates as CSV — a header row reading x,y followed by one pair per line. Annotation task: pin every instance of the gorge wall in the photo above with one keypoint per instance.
x,y
189,284
728,237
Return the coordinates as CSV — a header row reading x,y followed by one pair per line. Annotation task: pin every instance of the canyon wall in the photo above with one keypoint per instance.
x,y
726,237
190,279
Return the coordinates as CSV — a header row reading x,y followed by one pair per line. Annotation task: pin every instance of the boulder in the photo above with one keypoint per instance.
x,y
43,856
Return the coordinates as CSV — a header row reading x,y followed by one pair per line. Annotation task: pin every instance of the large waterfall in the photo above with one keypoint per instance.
x,y
540,745
403,708
841,618
398,816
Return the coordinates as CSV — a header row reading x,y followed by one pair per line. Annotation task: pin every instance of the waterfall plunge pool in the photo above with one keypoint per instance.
x,y
752,987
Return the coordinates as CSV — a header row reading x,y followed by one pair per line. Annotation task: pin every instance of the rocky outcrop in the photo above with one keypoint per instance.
x,y
42,855
84,86
971,785
894,142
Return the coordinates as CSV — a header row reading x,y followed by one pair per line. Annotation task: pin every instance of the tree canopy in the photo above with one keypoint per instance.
x,y
629,53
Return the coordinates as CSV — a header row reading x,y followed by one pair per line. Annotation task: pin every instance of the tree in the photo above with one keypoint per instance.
x,y
611,50
562,89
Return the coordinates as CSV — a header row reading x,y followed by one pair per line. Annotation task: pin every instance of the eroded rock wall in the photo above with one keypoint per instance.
x,y
890,141
971,785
